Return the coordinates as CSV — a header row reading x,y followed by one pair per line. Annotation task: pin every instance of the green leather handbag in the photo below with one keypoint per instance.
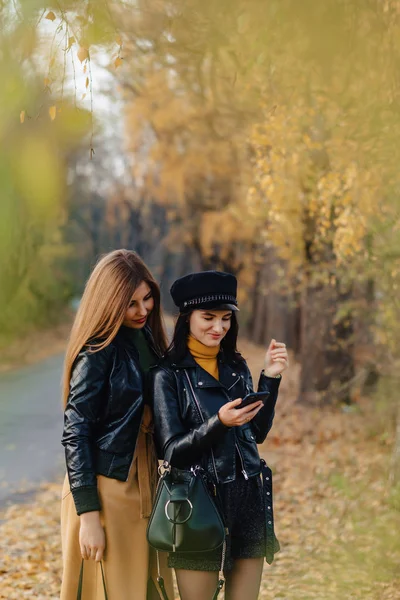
x,y
184,516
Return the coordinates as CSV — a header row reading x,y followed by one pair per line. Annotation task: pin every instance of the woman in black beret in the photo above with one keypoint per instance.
x,y
197,395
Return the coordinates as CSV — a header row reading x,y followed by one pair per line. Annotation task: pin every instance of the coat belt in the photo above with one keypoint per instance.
x,y
147,465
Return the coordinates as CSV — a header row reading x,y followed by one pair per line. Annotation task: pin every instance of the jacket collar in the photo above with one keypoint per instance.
x,y
125,336
150,339
228,376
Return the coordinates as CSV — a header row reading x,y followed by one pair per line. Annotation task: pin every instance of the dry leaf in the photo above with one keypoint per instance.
x,y
71,41
51,16
118,62
87,82
52,112
83,54
84,69
22,116
118,40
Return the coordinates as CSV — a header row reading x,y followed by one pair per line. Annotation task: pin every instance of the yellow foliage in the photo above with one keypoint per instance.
x,y
83,54
38,176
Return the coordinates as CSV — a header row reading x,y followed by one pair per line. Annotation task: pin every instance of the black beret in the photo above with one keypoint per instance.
x,y
205,290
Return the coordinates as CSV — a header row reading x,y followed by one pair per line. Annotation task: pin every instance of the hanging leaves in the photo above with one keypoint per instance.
x,y
83,54
87,82
52,112
118,62
22,116
51,16
71,42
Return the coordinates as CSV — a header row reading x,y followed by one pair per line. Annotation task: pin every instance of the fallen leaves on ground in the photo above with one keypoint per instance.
x,y
337,519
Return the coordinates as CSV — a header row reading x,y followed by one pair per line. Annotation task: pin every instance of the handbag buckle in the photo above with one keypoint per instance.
x,y
165,467
184,520
196,470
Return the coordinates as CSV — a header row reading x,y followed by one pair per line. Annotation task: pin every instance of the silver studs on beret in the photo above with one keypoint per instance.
x,y
212,298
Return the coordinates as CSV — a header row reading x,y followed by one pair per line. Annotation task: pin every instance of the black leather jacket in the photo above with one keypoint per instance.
x,y
103,416
189,432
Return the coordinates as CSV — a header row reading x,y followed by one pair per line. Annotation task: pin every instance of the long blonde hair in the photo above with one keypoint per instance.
x,y
108,293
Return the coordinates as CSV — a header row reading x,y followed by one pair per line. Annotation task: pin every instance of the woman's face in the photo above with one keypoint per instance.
x,y
210,326
141,305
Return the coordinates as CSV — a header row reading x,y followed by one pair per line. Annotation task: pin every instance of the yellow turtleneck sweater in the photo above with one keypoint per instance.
x,y
205,356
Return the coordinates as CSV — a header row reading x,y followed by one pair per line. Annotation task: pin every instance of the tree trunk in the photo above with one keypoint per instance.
x,y
327,365
274,314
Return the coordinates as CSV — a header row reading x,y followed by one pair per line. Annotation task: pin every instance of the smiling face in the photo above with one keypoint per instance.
x,y
141,305
210,326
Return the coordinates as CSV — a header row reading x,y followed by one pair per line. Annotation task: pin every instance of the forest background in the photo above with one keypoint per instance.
x,y
257,137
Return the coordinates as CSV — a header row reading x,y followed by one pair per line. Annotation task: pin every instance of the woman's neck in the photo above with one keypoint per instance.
x,y
205,356
198,348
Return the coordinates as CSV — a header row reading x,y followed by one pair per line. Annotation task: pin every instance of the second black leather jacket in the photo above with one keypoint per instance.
x,y
189,432
103,416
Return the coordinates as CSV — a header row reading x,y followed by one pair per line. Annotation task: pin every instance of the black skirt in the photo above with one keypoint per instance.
x,y
244,515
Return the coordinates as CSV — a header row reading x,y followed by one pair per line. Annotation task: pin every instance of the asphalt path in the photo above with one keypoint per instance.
x,y
30,429
31,421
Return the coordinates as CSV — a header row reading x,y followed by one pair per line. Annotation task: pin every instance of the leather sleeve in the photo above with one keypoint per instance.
x,y
180,446
88,385
262,422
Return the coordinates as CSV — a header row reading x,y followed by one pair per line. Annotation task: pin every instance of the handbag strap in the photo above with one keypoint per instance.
x,y
160,579
219,588
221,580
80,584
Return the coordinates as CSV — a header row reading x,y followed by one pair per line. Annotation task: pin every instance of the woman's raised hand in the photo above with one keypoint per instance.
x,y
231,416
92,539
276,359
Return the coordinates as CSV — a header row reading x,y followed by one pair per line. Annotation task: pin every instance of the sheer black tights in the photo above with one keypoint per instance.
x,y
243,581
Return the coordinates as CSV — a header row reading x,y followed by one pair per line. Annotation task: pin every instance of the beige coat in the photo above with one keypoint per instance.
x,y
129,564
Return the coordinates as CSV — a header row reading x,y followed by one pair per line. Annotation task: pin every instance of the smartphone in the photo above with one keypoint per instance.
x,y
254,397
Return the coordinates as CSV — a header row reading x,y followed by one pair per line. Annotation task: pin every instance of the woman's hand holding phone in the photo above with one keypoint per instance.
x,y
232,416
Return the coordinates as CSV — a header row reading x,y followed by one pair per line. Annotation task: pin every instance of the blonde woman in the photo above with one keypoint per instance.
x,y
111,462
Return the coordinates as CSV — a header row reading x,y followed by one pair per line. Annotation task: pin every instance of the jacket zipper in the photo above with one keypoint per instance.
x,y
241,461
244,473
203,420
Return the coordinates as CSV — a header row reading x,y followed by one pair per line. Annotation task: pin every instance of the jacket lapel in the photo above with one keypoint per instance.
x,y
228,376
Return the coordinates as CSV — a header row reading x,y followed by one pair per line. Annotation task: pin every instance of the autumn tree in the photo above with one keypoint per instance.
x,y
291,119
36,136
267,133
